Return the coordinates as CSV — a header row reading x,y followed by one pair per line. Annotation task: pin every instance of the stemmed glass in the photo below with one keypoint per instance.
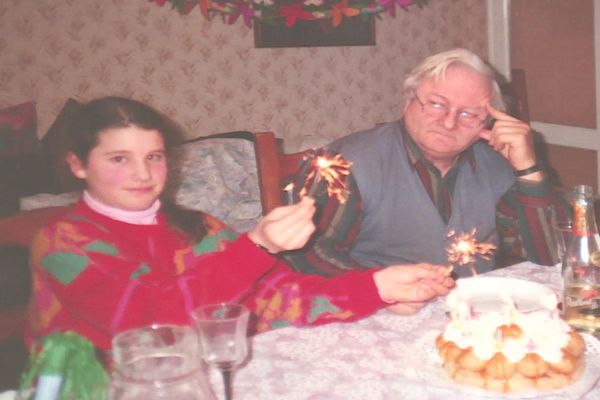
x,y
222,330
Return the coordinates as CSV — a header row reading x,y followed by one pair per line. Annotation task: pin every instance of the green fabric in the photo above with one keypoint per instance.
x,y
320,305
210,243
280,324
99,246
65,267
142,270
73,359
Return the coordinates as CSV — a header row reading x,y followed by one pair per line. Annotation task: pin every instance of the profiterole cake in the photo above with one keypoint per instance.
x,y
508,350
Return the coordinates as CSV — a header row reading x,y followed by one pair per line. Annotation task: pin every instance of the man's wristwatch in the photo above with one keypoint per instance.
x,y
535,168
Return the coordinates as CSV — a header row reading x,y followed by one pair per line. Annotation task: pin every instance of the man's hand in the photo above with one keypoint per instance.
x,y
412,286
286,227
513,139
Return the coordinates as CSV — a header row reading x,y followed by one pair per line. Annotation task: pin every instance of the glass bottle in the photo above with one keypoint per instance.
x,y
581,265
158,362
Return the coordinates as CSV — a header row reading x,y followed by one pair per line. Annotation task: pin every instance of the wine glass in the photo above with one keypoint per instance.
x,y
222,331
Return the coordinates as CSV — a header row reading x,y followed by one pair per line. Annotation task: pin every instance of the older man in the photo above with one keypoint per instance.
x,y
452,163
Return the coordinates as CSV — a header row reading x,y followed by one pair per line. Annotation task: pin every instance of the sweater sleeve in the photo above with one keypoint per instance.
x,y
286,298
84,284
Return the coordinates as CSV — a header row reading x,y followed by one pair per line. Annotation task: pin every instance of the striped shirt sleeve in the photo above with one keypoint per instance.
x,y
338,225
524,218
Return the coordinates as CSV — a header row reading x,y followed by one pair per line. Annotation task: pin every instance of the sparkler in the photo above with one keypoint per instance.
x,y
289,193
464,248
332,169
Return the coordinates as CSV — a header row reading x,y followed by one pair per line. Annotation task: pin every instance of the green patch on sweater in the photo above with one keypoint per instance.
x,y
142,270
321,305
210,243
280,324
99,246
65,267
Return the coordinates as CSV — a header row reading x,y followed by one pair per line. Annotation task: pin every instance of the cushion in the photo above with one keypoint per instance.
x,y
42,200
18,134
217,174
55,144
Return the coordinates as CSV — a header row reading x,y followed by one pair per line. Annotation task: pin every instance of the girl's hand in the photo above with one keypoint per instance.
x,y
285,228
405,308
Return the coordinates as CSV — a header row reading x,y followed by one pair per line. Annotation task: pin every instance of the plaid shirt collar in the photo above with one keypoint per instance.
x,y
415,155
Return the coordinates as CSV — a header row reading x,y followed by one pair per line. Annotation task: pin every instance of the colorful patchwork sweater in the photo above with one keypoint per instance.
x,y
98,276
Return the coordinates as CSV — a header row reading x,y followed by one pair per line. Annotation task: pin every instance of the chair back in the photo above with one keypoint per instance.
x,y
275,169
19,229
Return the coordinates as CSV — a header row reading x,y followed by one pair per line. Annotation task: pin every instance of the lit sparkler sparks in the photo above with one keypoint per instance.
x,y
332,169
464,248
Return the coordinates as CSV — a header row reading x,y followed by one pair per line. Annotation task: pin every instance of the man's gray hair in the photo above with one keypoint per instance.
x,y
435,66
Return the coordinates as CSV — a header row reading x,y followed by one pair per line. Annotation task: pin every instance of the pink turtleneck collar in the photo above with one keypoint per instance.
x,y
144,217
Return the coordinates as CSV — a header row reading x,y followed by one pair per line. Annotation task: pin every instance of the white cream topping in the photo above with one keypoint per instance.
x,y
542,332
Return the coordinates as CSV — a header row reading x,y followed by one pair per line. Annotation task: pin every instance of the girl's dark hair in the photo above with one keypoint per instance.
x,y
115,112
106,113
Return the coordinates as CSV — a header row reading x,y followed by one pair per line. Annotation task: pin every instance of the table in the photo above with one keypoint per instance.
x,y
382,357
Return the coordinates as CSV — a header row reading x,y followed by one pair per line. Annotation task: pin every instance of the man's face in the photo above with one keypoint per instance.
x,y
443,136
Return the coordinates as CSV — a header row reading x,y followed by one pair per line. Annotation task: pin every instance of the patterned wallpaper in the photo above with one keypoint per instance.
x,y
208,76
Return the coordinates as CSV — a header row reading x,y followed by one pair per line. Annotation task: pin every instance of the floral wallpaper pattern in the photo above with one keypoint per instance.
x,y
208,76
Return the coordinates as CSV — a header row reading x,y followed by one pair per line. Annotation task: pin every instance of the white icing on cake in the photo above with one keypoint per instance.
x,y
542,331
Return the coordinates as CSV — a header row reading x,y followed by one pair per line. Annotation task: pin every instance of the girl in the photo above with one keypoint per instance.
x,y
123,257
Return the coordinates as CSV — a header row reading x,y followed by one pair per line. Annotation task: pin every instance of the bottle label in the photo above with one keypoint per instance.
x,y
583,221
581,302
579,223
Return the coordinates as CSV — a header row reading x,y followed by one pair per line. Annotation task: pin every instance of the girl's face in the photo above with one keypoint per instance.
x,y
126,170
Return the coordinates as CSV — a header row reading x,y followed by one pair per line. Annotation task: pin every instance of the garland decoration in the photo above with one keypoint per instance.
x,y
289,11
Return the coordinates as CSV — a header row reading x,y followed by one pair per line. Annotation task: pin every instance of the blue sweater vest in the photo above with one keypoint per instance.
x,y
400,223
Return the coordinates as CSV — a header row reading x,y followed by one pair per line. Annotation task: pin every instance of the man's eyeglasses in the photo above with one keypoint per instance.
x,y
437,110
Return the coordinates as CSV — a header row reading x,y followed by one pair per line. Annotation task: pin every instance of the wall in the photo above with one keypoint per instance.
x,y
559,83
558,45
208,76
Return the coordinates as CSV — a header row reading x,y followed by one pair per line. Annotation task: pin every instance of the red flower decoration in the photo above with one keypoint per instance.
x,y
390,5
340,9
205,6
293,12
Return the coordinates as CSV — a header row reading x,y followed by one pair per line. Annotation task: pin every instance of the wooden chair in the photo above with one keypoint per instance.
x,y
18,230
275,169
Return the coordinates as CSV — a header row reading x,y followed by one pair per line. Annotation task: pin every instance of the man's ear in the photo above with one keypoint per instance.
x,y
76,165
406,104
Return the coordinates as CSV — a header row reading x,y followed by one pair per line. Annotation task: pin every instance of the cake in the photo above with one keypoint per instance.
x,y
508,350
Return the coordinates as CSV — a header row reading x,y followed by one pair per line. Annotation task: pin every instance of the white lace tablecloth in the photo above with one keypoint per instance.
x,y
385,356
